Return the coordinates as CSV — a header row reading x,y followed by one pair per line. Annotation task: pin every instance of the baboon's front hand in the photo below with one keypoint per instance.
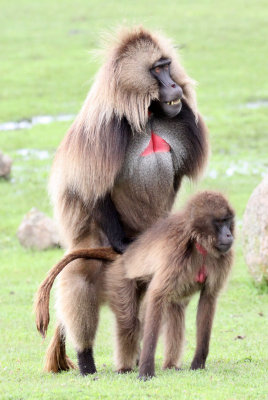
x,y
198,363
146,372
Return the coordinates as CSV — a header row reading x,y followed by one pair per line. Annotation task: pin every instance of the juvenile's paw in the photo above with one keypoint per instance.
x,y
171,366
145,377
198,363
124,370
146,373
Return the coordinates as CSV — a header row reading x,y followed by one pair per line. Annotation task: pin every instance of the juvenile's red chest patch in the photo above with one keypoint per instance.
x,y
156,145
202,273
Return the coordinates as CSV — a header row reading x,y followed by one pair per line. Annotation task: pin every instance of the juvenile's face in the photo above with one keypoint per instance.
x,y
224,233
213,220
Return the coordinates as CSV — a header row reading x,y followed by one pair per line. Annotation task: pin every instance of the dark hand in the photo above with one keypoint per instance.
x,y
198,363
110,223
121,246
146,371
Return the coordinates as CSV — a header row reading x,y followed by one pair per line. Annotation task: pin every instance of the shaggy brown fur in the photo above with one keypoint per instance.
x,y
56,357
91,155
41,306
165,260
100,182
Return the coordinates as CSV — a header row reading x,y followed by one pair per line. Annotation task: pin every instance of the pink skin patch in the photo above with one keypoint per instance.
x,y
156,145
202,273
201,249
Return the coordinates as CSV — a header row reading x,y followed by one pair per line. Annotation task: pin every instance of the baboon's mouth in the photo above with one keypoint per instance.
x,y
169,108
173,102
223,248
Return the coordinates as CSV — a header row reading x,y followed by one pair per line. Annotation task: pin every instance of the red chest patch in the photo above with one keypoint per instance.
x,y
202,273
156,145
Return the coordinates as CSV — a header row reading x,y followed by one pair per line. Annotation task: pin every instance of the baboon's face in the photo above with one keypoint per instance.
x,y
217,230
170,93
223,228
212,219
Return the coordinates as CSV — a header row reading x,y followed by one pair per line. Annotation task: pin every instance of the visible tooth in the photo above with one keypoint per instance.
x,y
173,102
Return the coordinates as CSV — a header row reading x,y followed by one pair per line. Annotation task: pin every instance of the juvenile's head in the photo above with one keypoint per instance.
x,y
210,220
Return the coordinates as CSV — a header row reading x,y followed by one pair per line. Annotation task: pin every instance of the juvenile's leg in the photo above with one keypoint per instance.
x,y
127,345
204,320
152,325
123,299
174,335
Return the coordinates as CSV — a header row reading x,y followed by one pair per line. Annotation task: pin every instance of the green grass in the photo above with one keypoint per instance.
x,y
46,69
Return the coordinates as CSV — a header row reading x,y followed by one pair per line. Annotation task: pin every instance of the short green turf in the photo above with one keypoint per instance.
x,y
46,69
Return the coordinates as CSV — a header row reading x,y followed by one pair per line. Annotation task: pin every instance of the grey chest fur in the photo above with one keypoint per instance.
x,y
153,160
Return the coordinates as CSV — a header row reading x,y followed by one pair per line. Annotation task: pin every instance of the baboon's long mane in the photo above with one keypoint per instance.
x,y
116,107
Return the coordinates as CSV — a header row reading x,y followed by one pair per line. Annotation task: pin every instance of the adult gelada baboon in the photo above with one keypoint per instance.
x,y
120,166
179,255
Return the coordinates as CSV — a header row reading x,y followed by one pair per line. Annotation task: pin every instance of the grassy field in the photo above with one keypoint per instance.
x,y
46,69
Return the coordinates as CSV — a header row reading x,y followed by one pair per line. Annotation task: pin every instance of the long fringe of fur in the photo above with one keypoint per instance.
x,y
123,89
41,305
56,359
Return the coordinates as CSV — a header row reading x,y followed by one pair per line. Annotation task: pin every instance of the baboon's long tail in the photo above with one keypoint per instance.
x,y
56,359
41,306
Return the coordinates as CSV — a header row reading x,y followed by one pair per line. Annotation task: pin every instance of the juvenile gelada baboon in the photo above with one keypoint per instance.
x,y
178,256
121,164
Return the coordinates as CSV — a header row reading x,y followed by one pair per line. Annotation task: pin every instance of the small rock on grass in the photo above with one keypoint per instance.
x,y
5,165
38,231
255,233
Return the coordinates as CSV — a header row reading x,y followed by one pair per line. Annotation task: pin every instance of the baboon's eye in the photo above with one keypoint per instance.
x,y
157,70
218,224
227,221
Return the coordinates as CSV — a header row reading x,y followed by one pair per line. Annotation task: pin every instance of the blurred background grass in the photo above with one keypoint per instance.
x,y
46,69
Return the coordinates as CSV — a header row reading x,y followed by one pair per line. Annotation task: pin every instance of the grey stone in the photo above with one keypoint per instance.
x,y
5,165
38,231
255,233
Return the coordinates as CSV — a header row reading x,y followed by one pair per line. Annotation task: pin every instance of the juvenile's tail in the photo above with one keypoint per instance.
x,y
56,359
41,306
